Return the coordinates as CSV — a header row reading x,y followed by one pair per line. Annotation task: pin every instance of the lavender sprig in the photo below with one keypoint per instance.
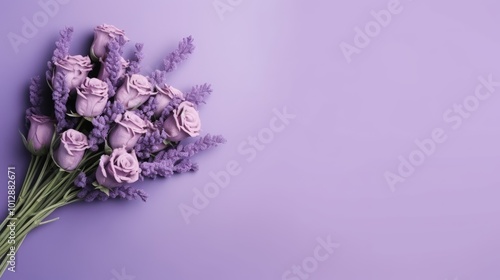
x,y
147,110
111,88
36,97
98,133
189,150
184,49
80,180
172,105
157,78
61,50
101,124
152,170
185,165
128,192
123,192
177,160
198,94
149,143
60,96
112,61
170,62
89,194
135,63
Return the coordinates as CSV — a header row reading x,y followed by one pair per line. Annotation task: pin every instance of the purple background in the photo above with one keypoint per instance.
x,y
322,175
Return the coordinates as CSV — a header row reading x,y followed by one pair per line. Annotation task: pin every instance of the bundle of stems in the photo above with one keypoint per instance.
x,y
46,188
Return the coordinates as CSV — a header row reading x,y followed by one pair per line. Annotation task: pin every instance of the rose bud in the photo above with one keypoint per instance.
x,y
164,95
40,133
135,90
103,34
128,129
74,69
91,98
103,74
118,169
71,149
183,122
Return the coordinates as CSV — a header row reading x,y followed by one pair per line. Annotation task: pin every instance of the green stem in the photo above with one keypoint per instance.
x,y
35,195
3,265
59,194
49,191
80,123
33,188
34,222
32,168
28,172
30,206
49,221
42,172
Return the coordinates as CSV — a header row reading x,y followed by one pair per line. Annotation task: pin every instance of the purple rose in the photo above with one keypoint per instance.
x,y
128,129
103,74
91,98
71,149
164,95
40,133
183,122
135,90
118,169
103,34
74,68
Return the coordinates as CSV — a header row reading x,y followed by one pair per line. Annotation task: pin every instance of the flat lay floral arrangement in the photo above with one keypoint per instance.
x,y
97,127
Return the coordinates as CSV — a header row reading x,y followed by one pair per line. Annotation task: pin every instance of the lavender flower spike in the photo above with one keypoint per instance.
x,y
147,110
60,96
102,124
201,144
89,193
198,94
173,104
157,78
185,165
61,51
184,49
135,64
149,143
98,133
36,98
80,180
113,61
129,193
182,52
152,170
186,151
177,160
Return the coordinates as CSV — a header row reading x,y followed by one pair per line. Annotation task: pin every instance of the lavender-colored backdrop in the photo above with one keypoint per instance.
x,y
360,98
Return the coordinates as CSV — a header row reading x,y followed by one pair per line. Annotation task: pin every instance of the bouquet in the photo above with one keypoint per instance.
x,y
96,127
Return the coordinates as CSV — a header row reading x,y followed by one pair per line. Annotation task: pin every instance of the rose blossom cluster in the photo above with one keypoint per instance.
x,y
132,124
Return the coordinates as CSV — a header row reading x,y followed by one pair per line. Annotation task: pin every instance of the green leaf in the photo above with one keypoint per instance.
x,y
88,118
49,83
93,56
73,115
29,145
25,142
51,150
166,142
101,188
107,149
